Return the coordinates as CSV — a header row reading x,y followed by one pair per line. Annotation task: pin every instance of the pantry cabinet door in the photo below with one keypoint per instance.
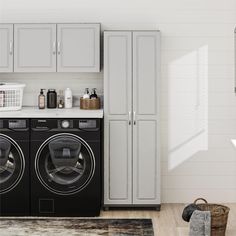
x,y
117,118
35,48
78,47
146,158
6,47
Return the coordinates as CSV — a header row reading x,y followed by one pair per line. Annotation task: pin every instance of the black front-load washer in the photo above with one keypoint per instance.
x,y
14,167
65,166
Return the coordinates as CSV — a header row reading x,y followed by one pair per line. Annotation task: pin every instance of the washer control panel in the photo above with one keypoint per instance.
x,y
65,124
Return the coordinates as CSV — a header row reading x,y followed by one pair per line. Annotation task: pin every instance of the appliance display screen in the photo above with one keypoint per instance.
x,y
87,124
17,124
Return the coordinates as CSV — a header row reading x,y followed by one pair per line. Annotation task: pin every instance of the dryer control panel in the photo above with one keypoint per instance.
x,y
65,124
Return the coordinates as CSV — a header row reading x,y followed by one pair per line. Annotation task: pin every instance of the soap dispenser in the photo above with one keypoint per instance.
x,y
86,94
94,94
41,99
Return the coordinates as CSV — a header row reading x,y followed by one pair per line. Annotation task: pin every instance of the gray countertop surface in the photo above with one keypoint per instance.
x,y
34,112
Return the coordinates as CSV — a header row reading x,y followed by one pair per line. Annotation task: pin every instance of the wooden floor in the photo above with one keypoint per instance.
x,y
168,221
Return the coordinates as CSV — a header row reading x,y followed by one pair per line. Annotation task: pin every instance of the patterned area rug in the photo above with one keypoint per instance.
x,y
75,227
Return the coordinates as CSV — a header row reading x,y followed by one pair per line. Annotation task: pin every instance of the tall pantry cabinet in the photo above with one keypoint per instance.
x,y
131,146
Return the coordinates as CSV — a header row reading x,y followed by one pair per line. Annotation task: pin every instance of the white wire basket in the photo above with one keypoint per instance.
x,y
11,96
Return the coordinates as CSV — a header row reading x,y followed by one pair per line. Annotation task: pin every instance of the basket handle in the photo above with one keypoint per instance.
x,y
203,199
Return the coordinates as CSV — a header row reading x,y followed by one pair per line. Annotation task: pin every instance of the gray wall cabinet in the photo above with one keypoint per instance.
x,y
131,84
50,47
35,47
6,47
78,47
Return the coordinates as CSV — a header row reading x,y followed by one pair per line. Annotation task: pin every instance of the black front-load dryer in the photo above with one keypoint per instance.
x,y
65,166
14,167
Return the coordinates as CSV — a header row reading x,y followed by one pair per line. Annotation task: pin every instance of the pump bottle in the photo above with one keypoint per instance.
x,y
41,99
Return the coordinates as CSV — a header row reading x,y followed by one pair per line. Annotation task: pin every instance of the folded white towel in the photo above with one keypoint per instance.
x,y
200,223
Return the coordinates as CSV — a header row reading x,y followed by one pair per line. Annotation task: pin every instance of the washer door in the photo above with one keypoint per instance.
x,y
12,164
65,164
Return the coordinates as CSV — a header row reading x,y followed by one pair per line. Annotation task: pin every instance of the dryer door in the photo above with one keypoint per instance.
x,y
65,164
12,164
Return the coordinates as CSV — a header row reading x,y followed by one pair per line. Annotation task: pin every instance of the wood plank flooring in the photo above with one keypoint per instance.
x,y
168,222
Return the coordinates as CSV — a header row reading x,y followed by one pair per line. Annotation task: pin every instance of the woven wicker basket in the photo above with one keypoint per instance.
x,y
219,216
89,104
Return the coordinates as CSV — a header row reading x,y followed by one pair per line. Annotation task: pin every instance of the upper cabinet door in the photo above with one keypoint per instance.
x,y
78,47
6,47
146,72
35,48
118,73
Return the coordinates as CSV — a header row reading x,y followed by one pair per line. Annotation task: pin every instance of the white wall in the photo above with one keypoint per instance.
x,y
35,81
197,100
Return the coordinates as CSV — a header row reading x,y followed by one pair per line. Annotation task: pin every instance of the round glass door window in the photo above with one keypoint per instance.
x,y
12,164
65,164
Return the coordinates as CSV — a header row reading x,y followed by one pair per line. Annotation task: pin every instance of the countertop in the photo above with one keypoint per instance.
x,y
34,112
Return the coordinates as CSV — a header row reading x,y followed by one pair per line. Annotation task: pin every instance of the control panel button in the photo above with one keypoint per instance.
x,y
65,124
